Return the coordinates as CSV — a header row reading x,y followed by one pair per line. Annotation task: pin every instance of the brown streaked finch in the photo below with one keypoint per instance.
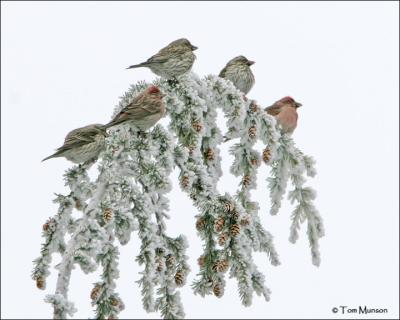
x,y
82,144
285,112
173,60
143,111
238,71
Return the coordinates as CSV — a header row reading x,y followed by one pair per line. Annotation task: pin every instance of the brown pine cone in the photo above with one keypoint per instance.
x,y
228,206
107,215
185,181
252,132
170,261
94,294
235,230
219,224
209,154
245,221
78,204
197,126
179,278
266,155
46,226
254,162
221,266
246,180
218,290
40,283
201,260
160,264
200,224
254,107
222,239
114,302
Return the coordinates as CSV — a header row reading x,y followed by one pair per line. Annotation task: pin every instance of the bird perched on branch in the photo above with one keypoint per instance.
x,y
285,112
144,110
173,60
238,71
82,144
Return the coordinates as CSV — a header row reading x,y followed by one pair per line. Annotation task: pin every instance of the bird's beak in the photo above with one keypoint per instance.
x,y
194,48
298,104
249,63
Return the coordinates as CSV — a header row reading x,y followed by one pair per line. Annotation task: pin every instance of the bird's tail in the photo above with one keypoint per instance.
x,y
111,124
143,64
54,155
108,125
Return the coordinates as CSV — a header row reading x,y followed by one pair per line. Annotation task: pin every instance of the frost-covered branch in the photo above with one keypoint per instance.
x,y
130,194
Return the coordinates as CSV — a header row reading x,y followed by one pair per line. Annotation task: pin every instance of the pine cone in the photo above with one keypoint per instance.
x,y
78,204
160,264
246,180
252,132
235,229
228,206
266,155
197,126
218,290
254,161
179,278
235,215
95,292
219,224
114,302
40,283
222,239
200,224
170,261
253,107
107,215
221,266
112,317
210,154
245,221
184,181
46,226
201,261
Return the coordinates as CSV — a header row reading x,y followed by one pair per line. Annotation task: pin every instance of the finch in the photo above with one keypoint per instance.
x,y
82,144
285,112
173,60
144,111
238,71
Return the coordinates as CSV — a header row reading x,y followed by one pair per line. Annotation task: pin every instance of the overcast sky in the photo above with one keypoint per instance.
x,y
63,66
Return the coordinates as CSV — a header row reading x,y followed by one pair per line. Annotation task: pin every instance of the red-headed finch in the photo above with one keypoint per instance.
x,y
82,144
144,111
285,112
173,60
238,71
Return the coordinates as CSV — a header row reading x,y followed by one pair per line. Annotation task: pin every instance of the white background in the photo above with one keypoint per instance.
x,y
63,66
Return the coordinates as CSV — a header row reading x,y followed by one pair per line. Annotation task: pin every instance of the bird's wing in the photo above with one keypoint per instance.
x,y
164,54
273,110
139,110
77,138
